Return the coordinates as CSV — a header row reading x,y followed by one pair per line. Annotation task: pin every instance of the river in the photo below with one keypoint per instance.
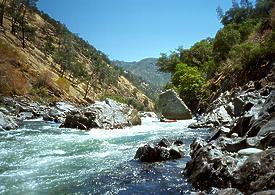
x,y
40,158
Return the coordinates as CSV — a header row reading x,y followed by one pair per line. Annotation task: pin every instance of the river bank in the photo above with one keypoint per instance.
x,y
240,151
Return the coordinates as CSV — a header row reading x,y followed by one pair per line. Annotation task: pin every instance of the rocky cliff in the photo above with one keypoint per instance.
x,y
239,152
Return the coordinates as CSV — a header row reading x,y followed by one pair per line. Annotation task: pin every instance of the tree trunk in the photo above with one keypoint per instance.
x,y
13,22
3,6
23,28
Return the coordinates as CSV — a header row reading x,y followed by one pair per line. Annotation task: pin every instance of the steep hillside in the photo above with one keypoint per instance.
x,y
241,52
41,59
147,70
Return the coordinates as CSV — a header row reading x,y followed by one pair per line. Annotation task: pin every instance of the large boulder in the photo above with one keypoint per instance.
x,y
258,172
162,151
172,107
107,114
210,167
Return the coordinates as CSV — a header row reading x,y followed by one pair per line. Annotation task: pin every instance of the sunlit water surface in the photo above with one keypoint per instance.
x,y
40,158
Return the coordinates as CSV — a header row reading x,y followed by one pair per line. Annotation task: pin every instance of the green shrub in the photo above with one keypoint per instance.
x,y
188,81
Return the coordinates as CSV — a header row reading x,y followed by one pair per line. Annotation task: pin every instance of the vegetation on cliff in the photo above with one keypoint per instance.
x,y
242,50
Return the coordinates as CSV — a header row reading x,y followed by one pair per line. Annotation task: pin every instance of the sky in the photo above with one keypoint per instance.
x,y
131,30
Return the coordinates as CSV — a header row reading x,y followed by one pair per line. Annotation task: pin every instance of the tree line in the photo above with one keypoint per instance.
x,y
18,11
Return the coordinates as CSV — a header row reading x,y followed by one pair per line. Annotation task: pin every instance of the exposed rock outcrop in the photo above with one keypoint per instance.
x,y
239,152
58,111
172,107
107,114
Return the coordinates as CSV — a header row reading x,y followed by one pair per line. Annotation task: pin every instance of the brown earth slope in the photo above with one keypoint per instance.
x,y
33,72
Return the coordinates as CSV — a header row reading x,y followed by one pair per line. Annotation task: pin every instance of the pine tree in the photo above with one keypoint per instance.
x,y
2,11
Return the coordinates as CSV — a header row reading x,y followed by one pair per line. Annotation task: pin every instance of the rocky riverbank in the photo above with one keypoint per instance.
x,y
240,151
106,114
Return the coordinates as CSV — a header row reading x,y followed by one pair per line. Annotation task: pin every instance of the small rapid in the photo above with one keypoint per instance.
x,y
40,158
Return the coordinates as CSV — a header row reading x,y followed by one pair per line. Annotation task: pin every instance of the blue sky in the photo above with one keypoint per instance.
x,y
131,30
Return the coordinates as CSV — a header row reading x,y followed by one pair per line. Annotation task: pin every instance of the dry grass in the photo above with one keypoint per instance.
x,y
12,80
64,84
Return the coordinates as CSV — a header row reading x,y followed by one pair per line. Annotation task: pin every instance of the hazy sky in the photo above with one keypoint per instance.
x,y
134,29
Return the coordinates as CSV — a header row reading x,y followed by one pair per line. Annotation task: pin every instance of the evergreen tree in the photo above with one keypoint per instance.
x,y
2,11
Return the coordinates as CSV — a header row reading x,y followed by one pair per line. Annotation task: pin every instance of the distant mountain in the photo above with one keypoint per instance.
x,y
147,70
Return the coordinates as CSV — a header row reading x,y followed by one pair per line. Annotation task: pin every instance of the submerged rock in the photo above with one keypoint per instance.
x,y
172,107
107,114
164,150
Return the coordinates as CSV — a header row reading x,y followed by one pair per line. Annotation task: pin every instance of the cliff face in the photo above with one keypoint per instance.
x,y
35,73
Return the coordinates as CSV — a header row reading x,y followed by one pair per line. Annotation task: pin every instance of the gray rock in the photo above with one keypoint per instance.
x,y
268,127
172,107
229,191
249,151
267,192
162,151
25,116
106,114
258,172
4,110
209,167
238,106
6,122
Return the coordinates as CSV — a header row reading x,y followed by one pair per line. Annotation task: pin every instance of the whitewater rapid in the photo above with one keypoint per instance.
x,y
40,158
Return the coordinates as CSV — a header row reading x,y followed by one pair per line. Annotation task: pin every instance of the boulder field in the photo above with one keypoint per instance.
x,y
106,114
239,155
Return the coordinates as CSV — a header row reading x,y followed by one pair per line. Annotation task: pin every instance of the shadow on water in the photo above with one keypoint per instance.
x,y
133,177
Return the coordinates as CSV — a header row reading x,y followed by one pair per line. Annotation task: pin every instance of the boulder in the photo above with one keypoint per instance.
x,y
249,151
258,172
229,191
7,122
238,106
268,127
172,107
209,166
267,192
107,114
162,151
58,111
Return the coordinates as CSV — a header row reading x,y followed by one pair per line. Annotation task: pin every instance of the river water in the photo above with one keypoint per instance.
x,y
40,158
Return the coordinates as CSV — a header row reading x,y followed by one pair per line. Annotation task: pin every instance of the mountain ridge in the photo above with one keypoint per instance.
x,y
146,69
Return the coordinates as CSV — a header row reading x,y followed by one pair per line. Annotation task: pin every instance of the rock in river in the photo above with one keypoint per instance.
x,y
6,122
107,114
162,151
172,107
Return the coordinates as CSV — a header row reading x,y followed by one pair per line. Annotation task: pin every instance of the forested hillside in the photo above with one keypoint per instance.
x,y
243,50
42,59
